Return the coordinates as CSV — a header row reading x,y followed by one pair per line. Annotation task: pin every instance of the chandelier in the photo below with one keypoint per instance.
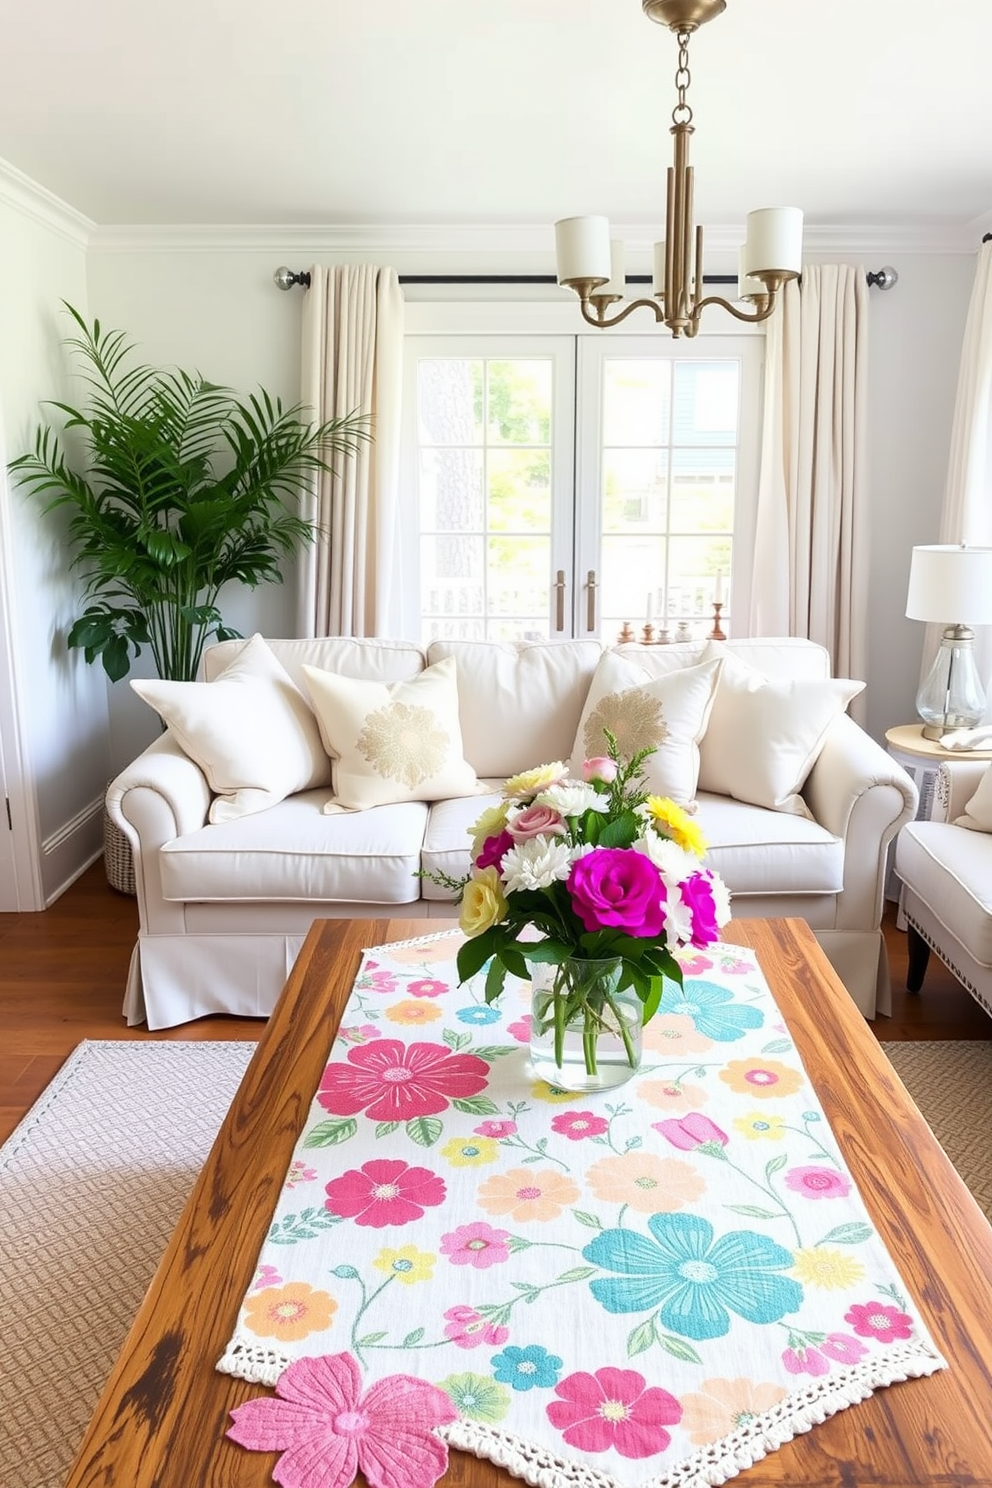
x,y
592,265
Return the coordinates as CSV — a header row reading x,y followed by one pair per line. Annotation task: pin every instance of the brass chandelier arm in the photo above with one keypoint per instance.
x,y
596,314
763,307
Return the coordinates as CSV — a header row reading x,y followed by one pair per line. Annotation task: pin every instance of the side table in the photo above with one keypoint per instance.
x,y
920,758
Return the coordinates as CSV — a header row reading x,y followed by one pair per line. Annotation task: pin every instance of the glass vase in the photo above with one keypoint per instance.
x,y
585,1034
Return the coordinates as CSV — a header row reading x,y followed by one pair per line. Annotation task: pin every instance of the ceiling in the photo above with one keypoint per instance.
x,y
510,112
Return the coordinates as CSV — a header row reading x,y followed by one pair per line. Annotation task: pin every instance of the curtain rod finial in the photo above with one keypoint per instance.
x,y
284,278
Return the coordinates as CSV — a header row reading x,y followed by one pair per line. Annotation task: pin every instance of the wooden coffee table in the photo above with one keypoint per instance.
x,y
161,1420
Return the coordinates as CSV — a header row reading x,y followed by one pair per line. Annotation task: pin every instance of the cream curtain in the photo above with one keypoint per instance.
x,y
966,515
350,577
810,573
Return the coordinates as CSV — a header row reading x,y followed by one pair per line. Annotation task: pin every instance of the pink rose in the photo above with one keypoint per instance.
x,y
492,851
599,768
534,821
697,895
617,888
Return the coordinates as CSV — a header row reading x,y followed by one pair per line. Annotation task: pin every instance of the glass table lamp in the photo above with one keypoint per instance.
x,y
951,586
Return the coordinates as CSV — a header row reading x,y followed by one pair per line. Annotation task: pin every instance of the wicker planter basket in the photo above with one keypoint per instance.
x,y
117,857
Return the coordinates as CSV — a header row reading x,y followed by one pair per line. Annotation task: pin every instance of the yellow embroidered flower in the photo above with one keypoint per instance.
x,y
553,1094
407,1265
758,1127
677,824
470,1152
289,1312
649,1184
763,1077
831,1270
721,1405
414,1012
529,782
490,824
483,903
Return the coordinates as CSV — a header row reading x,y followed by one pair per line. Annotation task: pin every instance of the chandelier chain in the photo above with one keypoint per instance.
x,y
682,112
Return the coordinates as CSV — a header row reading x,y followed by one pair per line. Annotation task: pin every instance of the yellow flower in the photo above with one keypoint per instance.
x,y
831,1270
407,1265
470,1152
553,1094
675,823
414,1012
758,1127
529,782
288,1313
483,903
490,824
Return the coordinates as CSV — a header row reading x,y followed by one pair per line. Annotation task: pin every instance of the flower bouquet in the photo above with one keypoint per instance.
x,y
610,879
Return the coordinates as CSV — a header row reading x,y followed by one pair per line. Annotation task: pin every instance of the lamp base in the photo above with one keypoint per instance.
x,y
952,697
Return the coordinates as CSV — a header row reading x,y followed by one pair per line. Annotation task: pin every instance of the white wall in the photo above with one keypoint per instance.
x,y
60,703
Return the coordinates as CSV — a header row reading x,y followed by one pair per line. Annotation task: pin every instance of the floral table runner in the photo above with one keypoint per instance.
x,y
650,1287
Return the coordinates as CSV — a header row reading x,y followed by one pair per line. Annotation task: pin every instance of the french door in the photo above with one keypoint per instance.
x,y
565,486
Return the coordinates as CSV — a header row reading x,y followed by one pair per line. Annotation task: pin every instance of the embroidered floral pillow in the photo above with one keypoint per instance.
x,y
388,742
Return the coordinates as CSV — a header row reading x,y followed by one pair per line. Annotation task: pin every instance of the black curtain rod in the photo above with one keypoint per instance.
x,y
286,278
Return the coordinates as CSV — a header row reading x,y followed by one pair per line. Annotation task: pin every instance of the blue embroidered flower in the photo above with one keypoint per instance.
x,y
696,1281
713,1010
529,1368
478,1013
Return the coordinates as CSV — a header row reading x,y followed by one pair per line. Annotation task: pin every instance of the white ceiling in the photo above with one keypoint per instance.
x,y
867,113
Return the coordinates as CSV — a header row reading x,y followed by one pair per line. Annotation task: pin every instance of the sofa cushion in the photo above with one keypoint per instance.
x,y
295,852
519,702
951,871
250,730
757,851
447,838
352,656
398,741
977,815
765,734
666,714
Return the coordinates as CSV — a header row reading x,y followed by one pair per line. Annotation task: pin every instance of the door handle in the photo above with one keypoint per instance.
x,y
560,600
591,587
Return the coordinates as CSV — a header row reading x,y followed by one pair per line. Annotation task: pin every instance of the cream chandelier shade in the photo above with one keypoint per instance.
x,y
591,263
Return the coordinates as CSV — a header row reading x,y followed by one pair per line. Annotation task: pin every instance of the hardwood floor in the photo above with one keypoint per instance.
x,y
62,977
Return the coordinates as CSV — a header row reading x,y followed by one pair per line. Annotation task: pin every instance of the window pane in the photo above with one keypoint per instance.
x,y
634,490
518,573
703,489
636,401
520,491
519,402
449,401
451,576
706,401
632,569
451,490
693,564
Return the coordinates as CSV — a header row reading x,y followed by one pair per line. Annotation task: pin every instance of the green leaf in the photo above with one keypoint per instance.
x,y
847,1234
577,1273
679,1349
752,1211
475,1105
642,1337
517,1242
424,1130
489,1052
777,1046
331,1133
473,955
495,980
456,1041
775,1165
514,962
549,950
591,1221
385,1128
412,1338
370,1338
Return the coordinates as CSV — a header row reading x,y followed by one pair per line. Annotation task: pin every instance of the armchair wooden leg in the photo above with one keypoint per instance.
x,y
919,956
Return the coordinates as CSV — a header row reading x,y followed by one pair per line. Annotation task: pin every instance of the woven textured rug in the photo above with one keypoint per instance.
x,y
116,1142
92,1183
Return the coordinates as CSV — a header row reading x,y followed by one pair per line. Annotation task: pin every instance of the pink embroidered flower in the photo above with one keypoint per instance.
x,y
617,888
578,1124
384,1191
600,767
393,1081
843,1348
477,1245
877,1320
267,1276
328,1431
359,1033
495,1129
427,987
805,1361
382,981
695,965
468,1328
299,1173
817,1183
533,822
490,855
613,1408
692,1131
520,1030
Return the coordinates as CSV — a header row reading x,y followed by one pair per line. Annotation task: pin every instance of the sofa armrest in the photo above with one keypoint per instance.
x,y
957,781
860,794
161,795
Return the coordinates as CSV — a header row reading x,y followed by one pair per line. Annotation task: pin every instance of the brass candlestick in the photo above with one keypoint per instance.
x,y
626,634
716,634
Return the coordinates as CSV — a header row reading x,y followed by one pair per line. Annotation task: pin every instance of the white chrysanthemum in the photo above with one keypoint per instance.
x,y
678,918
573,798
721,899
673,861
535,864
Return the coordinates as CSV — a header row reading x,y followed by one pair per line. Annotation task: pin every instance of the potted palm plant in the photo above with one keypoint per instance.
x,y
186,488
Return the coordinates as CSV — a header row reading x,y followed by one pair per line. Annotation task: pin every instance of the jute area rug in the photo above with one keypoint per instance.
x,y
93,1180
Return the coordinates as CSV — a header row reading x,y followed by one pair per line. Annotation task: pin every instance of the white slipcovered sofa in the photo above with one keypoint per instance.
x,y
224,905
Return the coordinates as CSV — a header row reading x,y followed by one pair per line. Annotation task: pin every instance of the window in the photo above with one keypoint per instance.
x,y
565,486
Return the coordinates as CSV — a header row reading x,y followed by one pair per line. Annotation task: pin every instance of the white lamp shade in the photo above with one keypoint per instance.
x,y
617,284
582,248
746,286
950,585
774,241
658,274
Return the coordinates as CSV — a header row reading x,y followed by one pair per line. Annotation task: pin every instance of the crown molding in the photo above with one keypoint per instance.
x,y
489,240
26,196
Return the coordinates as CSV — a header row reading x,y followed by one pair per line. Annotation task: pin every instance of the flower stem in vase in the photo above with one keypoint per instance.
x,y
586,1033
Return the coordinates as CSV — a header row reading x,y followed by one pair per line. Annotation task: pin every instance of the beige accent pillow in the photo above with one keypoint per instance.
x,y
398,741
668,714
765,734
250,730
978,810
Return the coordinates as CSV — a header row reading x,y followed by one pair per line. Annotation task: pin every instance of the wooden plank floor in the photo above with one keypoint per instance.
x,y
62,977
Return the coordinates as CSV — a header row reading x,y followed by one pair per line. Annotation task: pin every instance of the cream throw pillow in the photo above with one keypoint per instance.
x,y
978,810
668,714
397,741
250,730
765,734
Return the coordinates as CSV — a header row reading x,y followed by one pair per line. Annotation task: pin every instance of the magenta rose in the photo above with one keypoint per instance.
x,y
615,888
533,821
492,851
697,893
